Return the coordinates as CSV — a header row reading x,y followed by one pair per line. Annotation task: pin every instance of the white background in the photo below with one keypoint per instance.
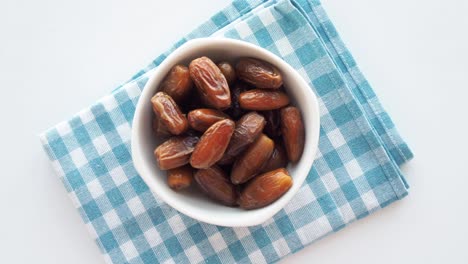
x,y
57,57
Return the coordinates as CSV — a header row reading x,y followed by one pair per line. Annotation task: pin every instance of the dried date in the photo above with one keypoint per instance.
x,y
215,183
177,83
263,100
169,113
293,131
180,178
248,128
265,189
252,160
212,144
210,82
175,152
202,119
259,73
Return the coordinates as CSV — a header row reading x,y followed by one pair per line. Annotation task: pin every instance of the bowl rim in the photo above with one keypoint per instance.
x,y
165,66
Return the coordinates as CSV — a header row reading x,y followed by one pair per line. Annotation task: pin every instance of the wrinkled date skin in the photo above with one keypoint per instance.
x,y
293,131
202,119
211,83
169,113
159,128
273,121
265,189
248,128
175,152
259,73
278,159
212,144
177,83
215,183
180,178
263,100
228,71
252,160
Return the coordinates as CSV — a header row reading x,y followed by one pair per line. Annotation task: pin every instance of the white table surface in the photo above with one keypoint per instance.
x,y
57,57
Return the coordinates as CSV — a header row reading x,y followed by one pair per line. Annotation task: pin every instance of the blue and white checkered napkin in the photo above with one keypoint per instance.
x,y
355,172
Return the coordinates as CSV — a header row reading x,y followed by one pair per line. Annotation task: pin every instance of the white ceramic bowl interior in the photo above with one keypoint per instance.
x,y
191,201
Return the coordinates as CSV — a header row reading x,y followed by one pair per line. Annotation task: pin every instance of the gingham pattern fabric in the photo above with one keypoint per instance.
x,y
355,171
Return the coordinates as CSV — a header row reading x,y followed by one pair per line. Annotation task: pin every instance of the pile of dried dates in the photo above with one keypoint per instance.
x,y
238,135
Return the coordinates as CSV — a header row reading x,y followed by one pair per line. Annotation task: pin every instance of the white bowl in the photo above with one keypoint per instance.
x,y
192,202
